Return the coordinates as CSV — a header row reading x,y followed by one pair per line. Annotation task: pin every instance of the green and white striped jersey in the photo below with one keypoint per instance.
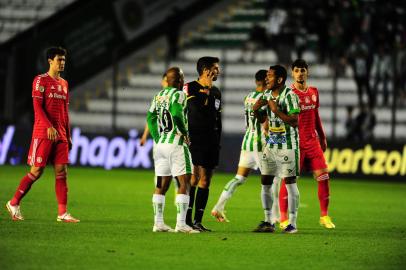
x,y
254,138
167,116
281,134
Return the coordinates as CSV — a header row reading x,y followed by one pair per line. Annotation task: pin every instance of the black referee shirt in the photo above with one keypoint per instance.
x,y
204,112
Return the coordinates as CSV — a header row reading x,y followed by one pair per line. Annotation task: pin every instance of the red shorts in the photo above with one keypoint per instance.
x,y
312,158
43,151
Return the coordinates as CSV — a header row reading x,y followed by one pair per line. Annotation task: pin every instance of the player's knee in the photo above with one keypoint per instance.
x,y
204,182
61,175
36,172
165,188
194,181
61,171
240,180
266,179
290,180
323,176
159,186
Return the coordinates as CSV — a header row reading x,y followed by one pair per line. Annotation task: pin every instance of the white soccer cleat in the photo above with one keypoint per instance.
x,y
14,211
185,229
220,216
162,228
67,218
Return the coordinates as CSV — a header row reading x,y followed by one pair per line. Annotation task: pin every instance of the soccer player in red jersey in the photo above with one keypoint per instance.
x,y
312,143
51,138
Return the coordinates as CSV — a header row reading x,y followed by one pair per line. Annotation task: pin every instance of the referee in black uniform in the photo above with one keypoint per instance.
x,y
204,117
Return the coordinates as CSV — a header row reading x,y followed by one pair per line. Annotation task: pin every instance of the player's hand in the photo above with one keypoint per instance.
x,y
70,143
52,134
187,140
209,76
259,104
323,144
272,105
143,140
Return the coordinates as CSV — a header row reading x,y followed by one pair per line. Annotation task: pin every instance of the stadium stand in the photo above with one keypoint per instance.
x,y
18,15
225,35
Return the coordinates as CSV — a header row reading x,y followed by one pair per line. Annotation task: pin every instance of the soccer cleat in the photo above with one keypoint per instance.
x,y
162,228
14,211
284,224
326,222
199,227
290,229
265,227
67,218
220,216
185,229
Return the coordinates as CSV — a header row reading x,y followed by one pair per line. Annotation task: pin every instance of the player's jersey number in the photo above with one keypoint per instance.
x,y
250,120
165,122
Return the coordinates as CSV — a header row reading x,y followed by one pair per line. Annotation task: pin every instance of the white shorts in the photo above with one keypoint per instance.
x,y
252,160
171,159
281,162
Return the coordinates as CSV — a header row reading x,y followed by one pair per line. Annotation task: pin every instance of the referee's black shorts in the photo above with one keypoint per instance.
x,y
205,150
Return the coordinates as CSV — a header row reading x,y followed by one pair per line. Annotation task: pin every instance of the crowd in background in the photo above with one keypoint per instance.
x,y
368,36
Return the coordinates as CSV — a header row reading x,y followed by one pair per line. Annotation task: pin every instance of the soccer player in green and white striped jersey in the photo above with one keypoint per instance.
x,y
167,122
281,154
250,157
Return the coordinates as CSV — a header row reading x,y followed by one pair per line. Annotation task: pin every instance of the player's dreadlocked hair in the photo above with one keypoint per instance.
x,y
206,62
280,72
260,76
300,63
54,51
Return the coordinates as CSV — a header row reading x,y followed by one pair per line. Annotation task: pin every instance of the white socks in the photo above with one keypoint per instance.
x,y
158,203
293,202
182,203
228,191
275,199
266,198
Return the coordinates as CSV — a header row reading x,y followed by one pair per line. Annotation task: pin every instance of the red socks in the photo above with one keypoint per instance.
x,y
323,192
61,190
23,188
283,201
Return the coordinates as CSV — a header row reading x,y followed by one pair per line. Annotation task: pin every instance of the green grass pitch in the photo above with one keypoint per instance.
x,y
116,227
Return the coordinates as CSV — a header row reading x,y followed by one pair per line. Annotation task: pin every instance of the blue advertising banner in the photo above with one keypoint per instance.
x,y
93,150
370,161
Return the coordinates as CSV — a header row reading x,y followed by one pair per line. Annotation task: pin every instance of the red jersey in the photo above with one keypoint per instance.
x,y
309,120
51,99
